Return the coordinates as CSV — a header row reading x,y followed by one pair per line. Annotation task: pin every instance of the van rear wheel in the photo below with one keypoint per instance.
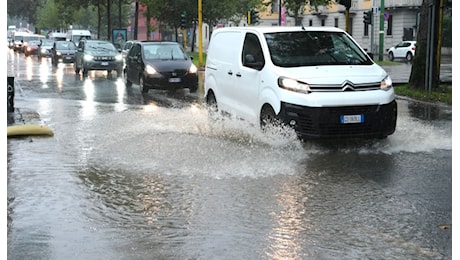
x,y
211,105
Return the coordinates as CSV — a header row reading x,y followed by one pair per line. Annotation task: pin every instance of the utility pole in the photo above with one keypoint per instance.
x,y
200,33
381,29
372,32
136,22
279,13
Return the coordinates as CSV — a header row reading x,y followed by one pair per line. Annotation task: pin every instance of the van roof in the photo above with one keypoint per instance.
x,y
271,29
79,32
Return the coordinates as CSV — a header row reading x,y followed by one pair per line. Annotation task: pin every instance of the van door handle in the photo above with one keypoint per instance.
x,y
238,75
230,72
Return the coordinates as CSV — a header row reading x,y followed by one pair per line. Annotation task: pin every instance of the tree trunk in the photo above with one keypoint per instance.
x,y
109,21
99,18
424,73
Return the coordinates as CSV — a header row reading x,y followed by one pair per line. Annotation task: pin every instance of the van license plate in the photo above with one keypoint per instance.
x,y
104,63
351,119
175,80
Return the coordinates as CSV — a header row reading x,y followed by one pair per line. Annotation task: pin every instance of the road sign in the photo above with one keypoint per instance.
x,y
386,15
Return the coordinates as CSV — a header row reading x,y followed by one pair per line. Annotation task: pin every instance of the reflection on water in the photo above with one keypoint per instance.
x,y
425,111
154,182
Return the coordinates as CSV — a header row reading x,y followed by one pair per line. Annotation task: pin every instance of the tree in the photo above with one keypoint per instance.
x,y
424,73
295,8
27,9
50,16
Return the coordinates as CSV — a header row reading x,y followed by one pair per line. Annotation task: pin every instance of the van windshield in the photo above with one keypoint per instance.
x,y
314,48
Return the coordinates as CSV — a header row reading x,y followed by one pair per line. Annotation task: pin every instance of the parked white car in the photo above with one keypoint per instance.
x,y
403,50
316,79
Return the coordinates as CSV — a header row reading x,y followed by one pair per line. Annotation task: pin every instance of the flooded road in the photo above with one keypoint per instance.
x,y
156,179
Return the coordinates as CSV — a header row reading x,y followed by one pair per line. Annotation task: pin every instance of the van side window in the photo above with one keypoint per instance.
x,y
252,55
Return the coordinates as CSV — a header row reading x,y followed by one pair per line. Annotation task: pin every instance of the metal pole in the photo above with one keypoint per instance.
x,y
372,32
428,50
200,33
136,21
441,16
279,13
432,46
381,32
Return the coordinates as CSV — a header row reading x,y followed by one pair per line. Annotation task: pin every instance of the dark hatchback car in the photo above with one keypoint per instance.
x,y
97,55
160,65
63,52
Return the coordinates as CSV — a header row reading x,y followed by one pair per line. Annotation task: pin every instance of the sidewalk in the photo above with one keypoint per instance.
x,y
22,116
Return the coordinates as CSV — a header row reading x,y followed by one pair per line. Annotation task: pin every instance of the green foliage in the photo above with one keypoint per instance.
x,y
26,9
441,94
196,58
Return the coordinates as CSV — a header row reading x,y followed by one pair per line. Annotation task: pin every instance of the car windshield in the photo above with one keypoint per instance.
x,y
64,45
314,48
33,43
102,46
164,52
47,43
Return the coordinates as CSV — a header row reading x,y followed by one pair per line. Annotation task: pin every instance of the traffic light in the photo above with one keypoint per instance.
x,y
367,17
183,20
253,16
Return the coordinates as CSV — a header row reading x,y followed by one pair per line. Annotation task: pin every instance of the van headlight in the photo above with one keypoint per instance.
x,y
193,69
293,85
386,83
150,70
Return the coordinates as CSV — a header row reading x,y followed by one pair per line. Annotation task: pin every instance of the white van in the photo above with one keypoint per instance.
x,y
77,35
57,36
316,79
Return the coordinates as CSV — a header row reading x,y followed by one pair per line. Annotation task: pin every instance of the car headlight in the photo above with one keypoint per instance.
x,y
386,83
58,53
193,69
88,57
150,70
293,85
119,57
43,50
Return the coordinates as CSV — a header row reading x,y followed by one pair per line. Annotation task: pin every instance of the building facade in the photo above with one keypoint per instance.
x,y
401,19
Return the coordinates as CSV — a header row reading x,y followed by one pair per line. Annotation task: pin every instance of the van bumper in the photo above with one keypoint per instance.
x,y
378,121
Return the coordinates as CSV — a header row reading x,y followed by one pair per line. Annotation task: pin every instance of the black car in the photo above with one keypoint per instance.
x,y
44,48
63,52
160,65
97,55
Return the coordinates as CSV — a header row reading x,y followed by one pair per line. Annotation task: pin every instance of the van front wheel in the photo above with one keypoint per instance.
x,y
268,118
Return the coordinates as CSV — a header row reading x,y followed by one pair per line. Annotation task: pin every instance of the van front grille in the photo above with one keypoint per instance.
x,y
316,122
346,86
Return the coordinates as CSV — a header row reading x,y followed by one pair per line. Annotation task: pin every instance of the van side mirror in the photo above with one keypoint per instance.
x,y
251,62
